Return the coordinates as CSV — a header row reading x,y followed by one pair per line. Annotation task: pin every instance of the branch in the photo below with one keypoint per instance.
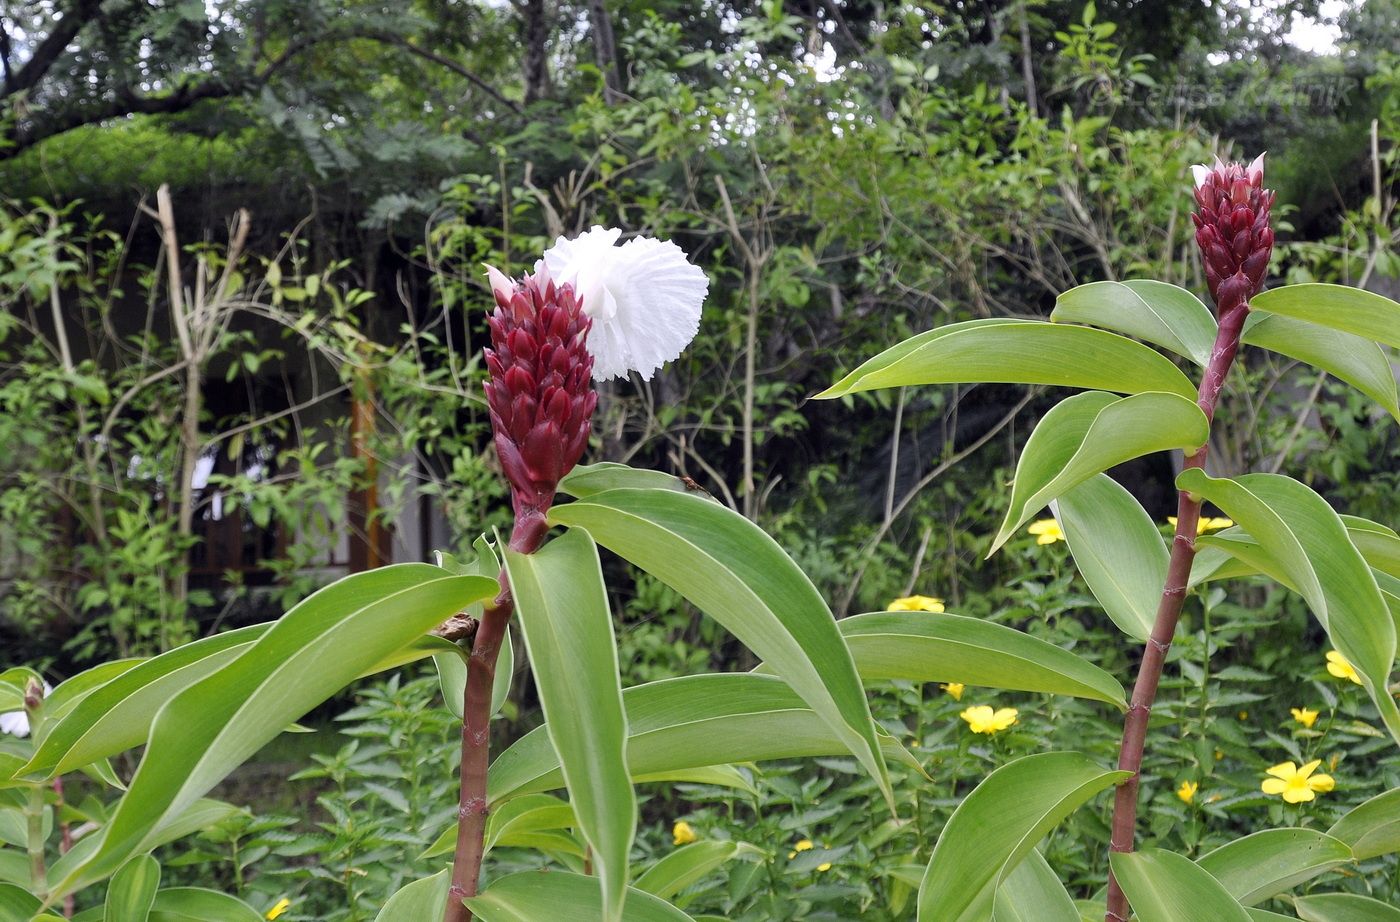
x,y
50,48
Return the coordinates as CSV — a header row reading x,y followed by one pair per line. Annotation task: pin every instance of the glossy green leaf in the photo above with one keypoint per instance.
x,y
688,865
17,904
1163,886
196,904
1018,352
1033,893
1338,307
424,899
1118,550
998,825
72,690
590,479
1263,915
1166,315
312,652
1373,828
1344,907
1307,546
942,647
1087,434
724,776
1258,866
1354,359
733,571
133,890
688,722
452,676
562,604
558,896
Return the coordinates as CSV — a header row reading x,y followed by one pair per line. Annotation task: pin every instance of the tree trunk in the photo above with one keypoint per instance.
x,y
605,51
534,30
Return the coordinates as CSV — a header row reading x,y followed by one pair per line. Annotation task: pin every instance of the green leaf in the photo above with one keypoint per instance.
x,y
1166,315
1338,307
17,904
688,865
562,604
687,722
1033,893
733,571
68,693
1119,552
133,890
998,824
558,896
1018,352
196,904
1343,907
588,480
942,647
1307,546
452,676
1354,359
724,776
1163,886
117,715
1087,434
1373,828
208,729
1261,865
424,899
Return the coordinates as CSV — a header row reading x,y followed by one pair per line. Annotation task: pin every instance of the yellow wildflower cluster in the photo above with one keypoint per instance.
x,y
983,719
1187,791
916,603
1341,667
1305,716
1046,531
683,833
1297,785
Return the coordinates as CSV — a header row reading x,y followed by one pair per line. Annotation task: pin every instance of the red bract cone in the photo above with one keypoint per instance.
x,y
540,390
1232,230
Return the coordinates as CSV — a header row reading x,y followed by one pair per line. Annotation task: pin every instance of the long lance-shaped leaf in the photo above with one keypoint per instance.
x,y
424,899
1163,886
1344,907
562,604
559,896
1018,352
1373,828
312,652
133,890
196,904
1118,550
1266,863
689,864
1339,307
1309,541
998,824
68,693
1354,359
688,722
733,571
588,479
944,647
1166,315
1087,434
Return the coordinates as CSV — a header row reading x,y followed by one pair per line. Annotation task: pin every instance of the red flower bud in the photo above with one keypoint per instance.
x,y
540,390
1232,231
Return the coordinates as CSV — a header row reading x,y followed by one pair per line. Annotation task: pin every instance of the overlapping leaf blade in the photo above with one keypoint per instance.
x,y
1088,433
1372,828
1157,312
1258,866
562,605
688,865
1344,907
998,824
944,647
732,570
1118,550
1163,886
1339,307
559,896
424,899
1018,352
211,727
1354,359
1033,893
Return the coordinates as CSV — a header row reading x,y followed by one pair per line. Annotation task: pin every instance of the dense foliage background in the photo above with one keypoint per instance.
x,y
847,173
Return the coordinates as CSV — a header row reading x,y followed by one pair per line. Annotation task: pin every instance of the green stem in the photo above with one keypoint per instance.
x,y
34,813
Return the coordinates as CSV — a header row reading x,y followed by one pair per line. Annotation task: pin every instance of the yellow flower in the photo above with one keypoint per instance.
x,y
916,603
683,833
1187,791
1046,531
1304,716
1244,715
1297,785
280,907
824,866
1341,667
954,690
802,846
982,719
1204,525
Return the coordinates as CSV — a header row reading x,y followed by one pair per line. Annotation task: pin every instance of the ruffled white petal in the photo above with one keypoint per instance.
x,y
15,723
1201,173
644,297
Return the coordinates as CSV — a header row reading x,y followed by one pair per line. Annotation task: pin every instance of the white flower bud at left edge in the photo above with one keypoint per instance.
x,y
644,298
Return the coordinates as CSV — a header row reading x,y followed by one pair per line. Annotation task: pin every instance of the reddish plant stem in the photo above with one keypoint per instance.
x,y
1154,655
529,532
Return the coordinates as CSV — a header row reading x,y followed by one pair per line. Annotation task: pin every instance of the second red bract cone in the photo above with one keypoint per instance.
x,y
540,389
